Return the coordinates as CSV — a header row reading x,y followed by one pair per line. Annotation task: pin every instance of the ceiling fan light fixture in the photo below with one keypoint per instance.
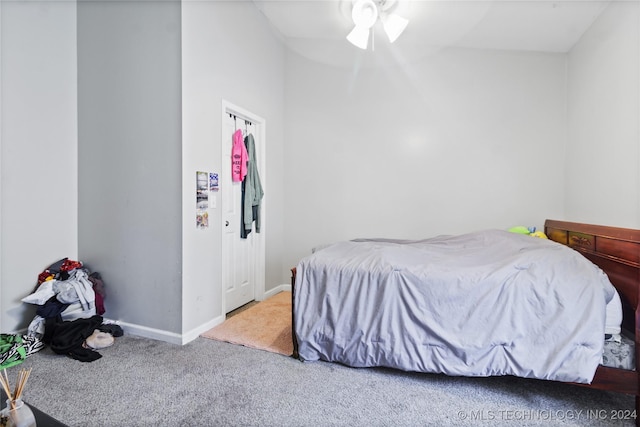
x,y
364,13
394,25
359,37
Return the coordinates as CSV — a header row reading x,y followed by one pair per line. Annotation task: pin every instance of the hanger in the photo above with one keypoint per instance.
x,y
247,123
235,123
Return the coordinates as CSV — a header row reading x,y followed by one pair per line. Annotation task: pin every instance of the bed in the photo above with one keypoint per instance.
x,y
406,330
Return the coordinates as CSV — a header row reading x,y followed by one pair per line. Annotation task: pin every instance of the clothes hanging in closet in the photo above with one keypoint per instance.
x,y
239,157
252,192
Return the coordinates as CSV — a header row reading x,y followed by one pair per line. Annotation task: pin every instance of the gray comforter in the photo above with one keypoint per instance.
x,y
479,304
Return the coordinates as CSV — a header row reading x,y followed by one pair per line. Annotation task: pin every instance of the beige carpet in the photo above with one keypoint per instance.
x,y
265,326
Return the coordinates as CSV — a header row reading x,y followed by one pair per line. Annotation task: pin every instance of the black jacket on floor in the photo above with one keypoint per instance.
x,y
67,337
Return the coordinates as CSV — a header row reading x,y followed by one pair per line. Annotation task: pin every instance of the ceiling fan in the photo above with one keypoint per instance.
x,y
365,13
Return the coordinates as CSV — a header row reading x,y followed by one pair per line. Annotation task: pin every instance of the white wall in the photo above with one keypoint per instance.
x,y
230,53
127,219
463,140
603,150
127,208
39,148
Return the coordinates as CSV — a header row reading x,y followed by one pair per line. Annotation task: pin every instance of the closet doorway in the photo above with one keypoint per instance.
x,y
243,266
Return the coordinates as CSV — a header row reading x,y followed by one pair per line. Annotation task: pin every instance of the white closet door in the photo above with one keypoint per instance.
x,y
237,253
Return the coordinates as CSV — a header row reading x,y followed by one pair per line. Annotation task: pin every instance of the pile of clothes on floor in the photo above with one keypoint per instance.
x,y
70,302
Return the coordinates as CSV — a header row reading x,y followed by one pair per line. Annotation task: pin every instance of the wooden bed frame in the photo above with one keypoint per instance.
x,y
617,252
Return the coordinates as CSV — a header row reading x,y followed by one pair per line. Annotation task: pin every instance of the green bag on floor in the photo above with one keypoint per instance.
x,y
12,351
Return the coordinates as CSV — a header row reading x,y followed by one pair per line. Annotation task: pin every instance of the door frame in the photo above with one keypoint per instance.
x,y
258,276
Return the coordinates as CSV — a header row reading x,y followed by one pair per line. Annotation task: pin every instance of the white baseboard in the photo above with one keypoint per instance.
x,y
181,339
147,332
195,333
276,290
166,336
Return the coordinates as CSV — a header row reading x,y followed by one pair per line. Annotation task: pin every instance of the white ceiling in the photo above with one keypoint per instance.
x,y
317,28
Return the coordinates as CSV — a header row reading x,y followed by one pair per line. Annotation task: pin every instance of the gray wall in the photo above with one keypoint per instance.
x,y
129,157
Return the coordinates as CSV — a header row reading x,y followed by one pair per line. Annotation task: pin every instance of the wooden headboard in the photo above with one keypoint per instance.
x,y
615,250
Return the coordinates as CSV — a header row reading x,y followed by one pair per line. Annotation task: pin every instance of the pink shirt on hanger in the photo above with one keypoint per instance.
x,y
239,157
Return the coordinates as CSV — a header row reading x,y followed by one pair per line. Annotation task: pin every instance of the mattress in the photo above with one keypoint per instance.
x,y
472,305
